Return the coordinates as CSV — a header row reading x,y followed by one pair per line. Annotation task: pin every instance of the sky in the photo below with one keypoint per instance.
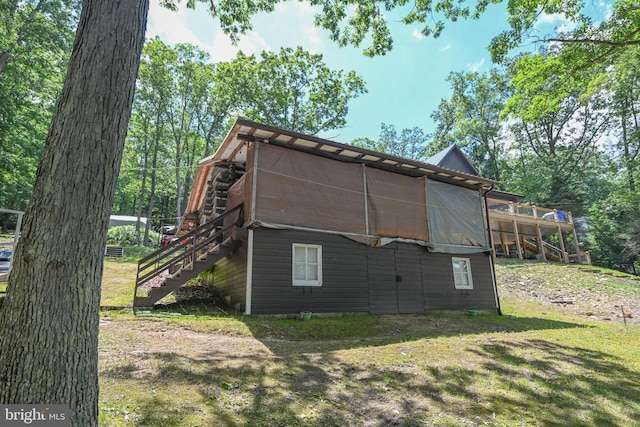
x,y
404,87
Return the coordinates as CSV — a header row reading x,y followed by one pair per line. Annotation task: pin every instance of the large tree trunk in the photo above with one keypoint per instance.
x,y
49,319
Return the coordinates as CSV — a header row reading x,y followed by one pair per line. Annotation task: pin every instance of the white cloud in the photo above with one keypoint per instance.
x,y
417,34
475,67
168,25
445,48
222,49
300,29
558,20
171,27
606,9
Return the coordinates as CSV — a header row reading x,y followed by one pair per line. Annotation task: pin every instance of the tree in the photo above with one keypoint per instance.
x,y
410,144
471,119
49,319
33,28
292,89
557,148
623,81
570,60
614,231
34,48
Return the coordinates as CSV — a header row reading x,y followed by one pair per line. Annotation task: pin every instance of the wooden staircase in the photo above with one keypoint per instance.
x,y
552,253
183,259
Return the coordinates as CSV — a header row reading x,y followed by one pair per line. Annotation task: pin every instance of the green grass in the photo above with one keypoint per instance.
x,y
119,276
534,366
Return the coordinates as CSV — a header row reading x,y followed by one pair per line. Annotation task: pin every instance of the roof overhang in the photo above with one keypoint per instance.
x,y
234,149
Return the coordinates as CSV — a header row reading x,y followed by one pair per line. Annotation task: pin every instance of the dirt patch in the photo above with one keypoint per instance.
x,y
594,294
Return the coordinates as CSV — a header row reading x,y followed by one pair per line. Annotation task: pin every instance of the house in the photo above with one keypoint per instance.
x,y
292,223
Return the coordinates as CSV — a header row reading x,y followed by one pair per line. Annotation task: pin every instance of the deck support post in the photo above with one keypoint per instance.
x,y
517,235
540,243
565,256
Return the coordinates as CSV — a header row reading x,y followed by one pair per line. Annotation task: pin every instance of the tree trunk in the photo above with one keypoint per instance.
x,y
141,194
49,319
152,195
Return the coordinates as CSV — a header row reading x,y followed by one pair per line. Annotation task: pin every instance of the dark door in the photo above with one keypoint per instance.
x,y
383,292
409,281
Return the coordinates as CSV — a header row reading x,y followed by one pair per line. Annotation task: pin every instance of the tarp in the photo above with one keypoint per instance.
x,y
369,205
456,220
396,205
301,189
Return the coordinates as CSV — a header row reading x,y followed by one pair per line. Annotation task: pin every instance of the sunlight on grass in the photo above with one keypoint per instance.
x,y
534,366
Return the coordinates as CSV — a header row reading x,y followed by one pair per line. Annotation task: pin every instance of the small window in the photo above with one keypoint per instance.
x,y
462,273
307,265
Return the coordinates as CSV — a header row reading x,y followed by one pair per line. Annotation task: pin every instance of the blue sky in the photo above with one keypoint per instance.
x,y
404,86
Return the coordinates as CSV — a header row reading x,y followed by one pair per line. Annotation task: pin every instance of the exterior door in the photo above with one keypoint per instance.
x,y
409,281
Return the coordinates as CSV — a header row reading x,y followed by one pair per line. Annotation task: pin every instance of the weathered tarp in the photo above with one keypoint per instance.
x,y
456,219
397,205
366,204
304,190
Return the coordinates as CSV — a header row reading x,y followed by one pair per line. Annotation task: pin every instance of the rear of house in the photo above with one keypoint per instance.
x,y
327,227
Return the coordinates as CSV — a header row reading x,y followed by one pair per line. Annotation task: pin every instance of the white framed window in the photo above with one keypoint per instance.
x,y
307,265
462,273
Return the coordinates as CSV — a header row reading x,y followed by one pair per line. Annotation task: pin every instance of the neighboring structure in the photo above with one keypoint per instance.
x,y
296,223
9,245
520,230
120,220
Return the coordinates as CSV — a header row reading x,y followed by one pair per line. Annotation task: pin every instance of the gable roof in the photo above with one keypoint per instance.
x,y
452,157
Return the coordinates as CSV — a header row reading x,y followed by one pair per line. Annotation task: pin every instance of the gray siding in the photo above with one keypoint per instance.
x,y
344,262
230,276
397,278
440,292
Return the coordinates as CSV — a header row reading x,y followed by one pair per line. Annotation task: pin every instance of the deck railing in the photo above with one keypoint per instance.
x,y
184,250
532,211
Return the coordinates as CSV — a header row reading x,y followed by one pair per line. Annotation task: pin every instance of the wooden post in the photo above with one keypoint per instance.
x,y
540,242
565,256
505,247
576,243
366,201
517,236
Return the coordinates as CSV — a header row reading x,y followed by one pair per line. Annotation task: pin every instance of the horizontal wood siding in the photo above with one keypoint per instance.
x,y
230,276
397,278
344,270
439,289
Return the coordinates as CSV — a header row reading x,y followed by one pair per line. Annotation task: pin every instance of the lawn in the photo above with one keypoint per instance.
x,y
540,364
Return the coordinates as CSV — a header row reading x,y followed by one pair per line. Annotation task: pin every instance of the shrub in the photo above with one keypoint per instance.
x,y
126,235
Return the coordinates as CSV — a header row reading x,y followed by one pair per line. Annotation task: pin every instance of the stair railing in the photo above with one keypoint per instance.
x,y
182,251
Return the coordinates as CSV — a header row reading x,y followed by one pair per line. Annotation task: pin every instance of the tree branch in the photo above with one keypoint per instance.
x,y
596,41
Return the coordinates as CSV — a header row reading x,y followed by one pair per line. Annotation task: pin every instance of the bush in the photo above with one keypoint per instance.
x,y
123,235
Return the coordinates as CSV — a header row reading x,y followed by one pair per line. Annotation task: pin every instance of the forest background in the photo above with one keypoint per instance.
x,y
558,124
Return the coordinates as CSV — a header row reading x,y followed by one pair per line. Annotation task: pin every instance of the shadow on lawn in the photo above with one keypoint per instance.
x,y
357,331
356,382
532,382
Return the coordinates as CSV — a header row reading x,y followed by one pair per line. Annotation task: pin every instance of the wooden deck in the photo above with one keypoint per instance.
x,y
520,229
